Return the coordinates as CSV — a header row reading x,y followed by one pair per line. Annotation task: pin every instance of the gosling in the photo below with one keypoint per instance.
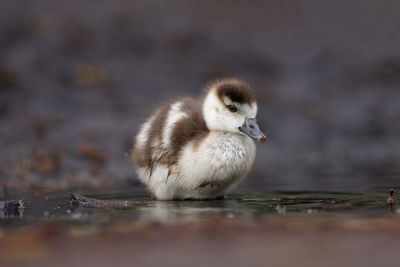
x,y
199,149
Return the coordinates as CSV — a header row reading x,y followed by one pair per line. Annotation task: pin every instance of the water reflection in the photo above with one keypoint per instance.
x,y
11,213
251,206
164,211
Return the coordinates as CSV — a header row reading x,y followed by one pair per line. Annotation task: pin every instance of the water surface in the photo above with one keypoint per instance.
x,y
56,207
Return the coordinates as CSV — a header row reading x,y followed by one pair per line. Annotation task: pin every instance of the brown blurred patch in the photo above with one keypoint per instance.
x,y
78,35
90,151
3,109
30,243
95,154
44,161
387,71
8,78
90,75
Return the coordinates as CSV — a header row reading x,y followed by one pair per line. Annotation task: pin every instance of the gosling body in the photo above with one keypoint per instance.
x,y
199,149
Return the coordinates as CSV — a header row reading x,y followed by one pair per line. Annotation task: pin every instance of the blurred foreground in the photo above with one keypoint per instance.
x,y
215,242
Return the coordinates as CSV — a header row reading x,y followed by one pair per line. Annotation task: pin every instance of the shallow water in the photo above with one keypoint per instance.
x,y
56,207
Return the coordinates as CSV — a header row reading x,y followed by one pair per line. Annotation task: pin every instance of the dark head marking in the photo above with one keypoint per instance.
x,y
236,90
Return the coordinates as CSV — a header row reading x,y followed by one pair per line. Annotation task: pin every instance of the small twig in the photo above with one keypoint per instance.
x,y
79,200
11,208
11,204
390,198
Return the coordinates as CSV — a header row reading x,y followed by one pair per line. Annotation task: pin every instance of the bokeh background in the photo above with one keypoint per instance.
x,y
78,77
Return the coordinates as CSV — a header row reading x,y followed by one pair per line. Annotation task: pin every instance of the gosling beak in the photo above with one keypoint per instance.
x,y
250,128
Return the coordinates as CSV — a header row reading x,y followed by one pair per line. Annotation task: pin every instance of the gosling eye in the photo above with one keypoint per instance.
x,y
232,108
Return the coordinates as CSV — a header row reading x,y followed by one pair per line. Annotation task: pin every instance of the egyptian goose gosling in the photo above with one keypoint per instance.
x,y
199,149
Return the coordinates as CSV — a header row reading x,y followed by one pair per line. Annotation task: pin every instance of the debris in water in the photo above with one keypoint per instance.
x,y
280,209
79,200
11,204
11,208
390,198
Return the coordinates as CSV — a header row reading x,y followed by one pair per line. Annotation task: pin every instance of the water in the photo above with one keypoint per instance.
x,y
55,206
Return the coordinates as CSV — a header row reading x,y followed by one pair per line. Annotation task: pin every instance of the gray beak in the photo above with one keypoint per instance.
x,y
250,128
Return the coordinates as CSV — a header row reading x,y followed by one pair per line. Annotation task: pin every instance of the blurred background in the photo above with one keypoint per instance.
x,y
78,77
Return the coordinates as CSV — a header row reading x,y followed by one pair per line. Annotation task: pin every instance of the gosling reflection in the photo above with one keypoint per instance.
x,y
173,211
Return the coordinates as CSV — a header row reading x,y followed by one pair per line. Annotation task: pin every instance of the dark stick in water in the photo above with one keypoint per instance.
x,y
11,208
390,198
79,200
11,204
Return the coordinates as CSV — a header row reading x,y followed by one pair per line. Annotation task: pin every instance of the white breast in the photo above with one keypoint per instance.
x,y
218,163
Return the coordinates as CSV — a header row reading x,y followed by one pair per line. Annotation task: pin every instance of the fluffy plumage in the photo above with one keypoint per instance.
x,y
197,149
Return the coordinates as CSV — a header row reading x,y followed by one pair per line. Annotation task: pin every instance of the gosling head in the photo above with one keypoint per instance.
x,y
230,106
